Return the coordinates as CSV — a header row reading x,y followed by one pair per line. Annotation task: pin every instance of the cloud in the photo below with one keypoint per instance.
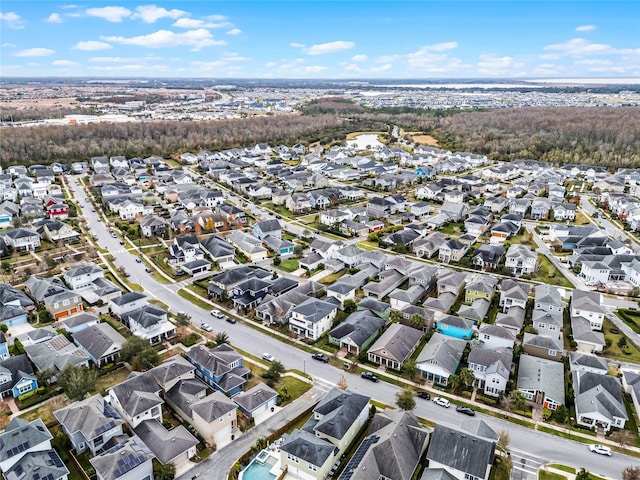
x,y
270,64
8,45
234,31
579,47
197,39
492,65
110,59
211,21
64,63
54,18
127,68
297,45
91,45
234,57
110,14
329,47
352,67
12,19
432,59
585,28
382,68
153,13
34,52
314,69
359,58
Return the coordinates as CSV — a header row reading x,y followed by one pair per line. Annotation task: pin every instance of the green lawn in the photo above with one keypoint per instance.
x,y
289,265
547,273
294,388
331,278
630,317
196,301
450,229
628,354
542,475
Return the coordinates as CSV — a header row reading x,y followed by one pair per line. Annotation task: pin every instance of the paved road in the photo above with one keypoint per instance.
x,y
244,337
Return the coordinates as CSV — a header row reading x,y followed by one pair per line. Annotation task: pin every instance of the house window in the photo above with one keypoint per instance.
x,y
65,302
313,468
24,388
221,419
552,353
55,305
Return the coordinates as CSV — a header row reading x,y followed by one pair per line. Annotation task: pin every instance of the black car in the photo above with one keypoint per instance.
x,y
279,217
370,376
466,411
320,357
230,320
423,395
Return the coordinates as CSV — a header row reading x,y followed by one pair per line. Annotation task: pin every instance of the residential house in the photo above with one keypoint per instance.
x,y
494,336
176,446
101,343
395,346
452,251
587,340
543,346
491,368
56,298
89,424
514,294
541,381
392,449
257,400
400,299
17,377
14,305
588,305
312,318
428,246
598,401
455,211
481,286
151,225
220,367
440,358
357,332
548,299
488,257
547,323
26,452
450,450
521,259
512,319
213,416
476,312
248,244
455,327
21,238
149,322
55,354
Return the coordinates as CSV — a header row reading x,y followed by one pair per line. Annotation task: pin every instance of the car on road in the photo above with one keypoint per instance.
x,y
279,217
423,395
466,411
148,270
138,260
268,357
121,242
229,319
320,357
271,213
443,402
601,449
216,313
369,376
206,327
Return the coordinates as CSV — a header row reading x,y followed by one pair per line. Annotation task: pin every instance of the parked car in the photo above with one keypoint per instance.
x,y
138,260
370,376
443,402
206,327
423,395
216,313
601,449
268,357
279,217
335,468
466,411
320,357
230,319
148,270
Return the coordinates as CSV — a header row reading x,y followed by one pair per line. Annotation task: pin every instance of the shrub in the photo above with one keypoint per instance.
x,y
190,339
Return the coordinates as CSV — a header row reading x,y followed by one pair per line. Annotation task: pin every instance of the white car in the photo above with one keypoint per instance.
x,y
443,402
268,357
601,449
206,327
216,313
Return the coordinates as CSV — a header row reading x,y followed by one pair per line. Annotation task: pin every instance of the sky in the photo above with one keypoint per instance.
x,y
312,39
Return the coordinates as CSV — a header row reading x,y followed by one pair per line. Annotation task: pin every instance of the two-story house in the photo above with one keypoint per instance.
x,y
220,368
588,305
491,368
541,381
521,260
56,298
312,318
101,343
130,459
440,358
17,377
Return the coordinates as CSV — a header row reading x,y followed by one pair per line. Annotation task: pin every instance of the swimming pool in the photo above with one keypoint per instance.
x,y
259,471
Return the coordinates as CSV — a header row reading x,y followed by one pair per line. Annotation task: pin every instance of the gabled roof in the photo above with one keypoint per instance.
x,y
314,310
308,448
91,417
99,339
44,465
444,351
20,436
598,393
165,444
461,451
540,374
254,397
397,342
338,411
186,396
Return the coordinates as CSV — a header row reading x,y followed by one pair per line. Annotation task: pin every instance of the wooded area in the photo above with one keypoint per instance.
x,y
600,136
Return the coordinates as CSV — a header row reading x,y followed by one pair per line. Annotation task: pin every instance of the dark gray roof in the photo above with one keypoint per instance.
x,y
542,341
542,375
461,451
444,351
80,319
99,339
338,411
578,360
44,465
398,341
19,367
256,396
308,447
358,327
392,449
128,298
165,444
314,309
479,428
436,474
138,393
92,417
120,459
185,395
21,435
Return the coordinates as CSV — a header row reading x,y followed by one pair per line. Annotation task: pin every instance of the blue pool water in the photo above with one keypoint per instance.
x,y
258,471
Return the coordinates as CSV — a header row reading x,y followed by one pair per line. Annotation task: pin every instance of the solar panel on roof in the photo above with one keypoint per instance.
x,y
109,411
55,459
358,456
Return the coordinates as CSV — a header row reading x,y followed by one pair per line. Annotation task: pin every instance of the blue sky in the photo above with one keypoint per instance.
x,y
309,39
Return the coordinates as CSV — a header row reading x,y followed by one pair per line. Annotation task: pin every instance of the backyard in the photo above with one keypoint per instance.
x,y
547,273
617,348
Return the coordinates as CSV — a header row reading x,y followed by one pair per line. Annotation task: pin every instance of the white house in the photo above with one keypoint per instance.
x,y
312,318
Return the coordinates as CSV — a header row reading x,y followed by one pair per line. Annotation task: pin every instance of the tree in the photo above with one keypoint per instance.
x,y
503,442
77,381
416,321
561,414
183,319
515,401
406,399
342,382
146,359
222,337
139,353
297,250
631,473
163,472
276,369
132,347
43,376
622,437
410,368
466,377
277,260
395,316
583,475
349,306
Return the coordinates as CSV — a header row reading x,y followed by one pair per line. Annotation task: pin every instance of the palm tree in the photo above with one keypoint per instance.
x,y
222,337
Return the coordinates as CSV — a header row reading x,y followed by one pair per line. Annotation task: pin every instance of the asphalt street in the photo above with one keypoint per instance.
x,y
535,444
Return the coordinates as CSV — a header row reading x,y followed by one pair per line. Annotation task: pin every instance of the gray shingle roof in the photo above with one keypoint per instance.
x,y
256,396
92,417
314,309
165,444
45,465
184,395
358,327
308,447
444,351
598,393
461,451
338,411
99,339
21,435
542,375
397,342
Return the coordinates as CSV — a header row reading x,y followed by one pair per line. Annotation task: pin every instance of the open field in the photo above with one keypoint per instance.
x,y
423,139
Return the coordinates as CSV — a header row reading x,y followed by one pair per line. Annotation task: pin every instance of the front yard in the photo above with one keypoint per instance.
x,y
289,265
618,349
547,273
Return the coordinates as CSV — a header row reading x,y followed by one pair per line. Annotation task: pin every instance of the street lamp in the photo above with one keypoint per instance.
x,y
304,366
